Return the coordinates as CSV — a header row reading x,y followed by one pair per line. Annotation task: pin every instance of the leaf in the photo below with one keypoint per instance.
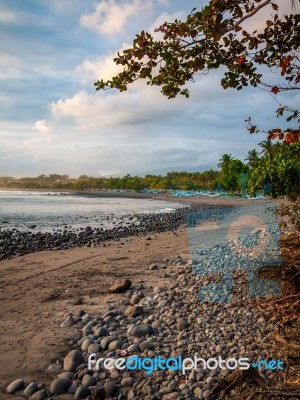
x,y
275,90
275,6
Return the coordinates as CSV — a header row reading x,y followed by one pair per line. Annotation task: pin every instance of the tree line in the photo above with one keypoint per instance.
x,y
275,170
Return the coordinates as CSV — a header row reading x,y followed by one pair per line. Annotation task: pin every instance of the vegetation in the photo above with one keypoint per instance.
x,y
215,37
275,170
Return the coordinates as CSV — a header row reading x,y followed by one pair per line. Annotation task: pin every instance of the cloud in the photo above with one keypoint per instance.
x,y
110,17
164,2
7,16
42,126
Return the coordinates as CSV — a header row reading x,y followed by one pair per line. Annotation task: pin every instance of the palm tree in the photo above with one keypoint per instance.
x,y
267,148
224,162
252,158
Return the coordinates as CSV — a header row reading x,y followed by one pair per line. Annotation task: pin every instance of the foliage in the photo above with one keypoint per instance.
x,y
279,165
173,180
215,37
231,172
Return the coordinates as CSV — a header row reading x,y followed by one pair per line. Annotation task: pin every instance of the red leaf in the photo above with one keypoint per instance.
x,y
240,60
275,89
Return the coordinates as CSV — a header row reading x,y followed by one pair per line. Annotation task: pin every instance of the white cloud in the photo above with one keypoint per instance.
x,y
42,126
7,16
110,16
164,2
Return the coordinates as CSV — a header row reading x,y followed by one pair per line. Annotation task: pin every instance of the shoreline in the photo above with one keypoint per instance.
x,y
39,290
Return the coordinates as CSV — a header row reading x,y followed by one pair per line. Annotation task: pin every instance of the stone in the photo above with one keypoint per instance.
x,y
94,348
60,386
115,345
30,389
110,389
133,348
142,330
72,360
136,297
82,392
40,395
106,341
14,386
148,345
85,345
72,389
128,381
133,311
66,375
88,380
69,321
182,325
120,287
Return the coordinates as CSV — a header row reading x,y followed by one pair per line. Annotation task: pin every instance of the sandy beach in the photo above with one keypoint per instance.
x,y
39,290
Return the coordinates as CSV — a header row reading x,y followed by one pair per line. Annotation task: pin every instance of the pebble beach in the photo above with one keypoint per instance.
x,y
58,309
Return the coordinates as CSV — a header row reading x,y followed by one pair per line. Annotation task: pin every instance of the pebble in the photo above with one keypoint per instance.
x,y
14,386
82,392
168,322
72,360
142,330
40,395
69,321
60,386
30,389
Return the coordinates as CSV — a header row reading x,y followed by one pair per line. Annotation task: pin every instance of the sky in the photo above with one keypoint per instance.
x,y
53,121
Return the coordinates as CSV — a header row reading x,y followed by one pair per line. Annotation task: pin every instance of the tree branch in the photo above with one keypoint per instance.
x,y
250,14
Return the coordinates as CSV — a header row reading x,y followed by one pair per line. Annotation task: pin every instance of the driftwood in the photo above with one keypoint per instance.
x,y
230,382
271,394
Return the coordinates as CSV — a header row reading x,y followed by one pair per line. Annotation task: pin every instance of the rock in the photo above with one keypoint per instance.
x,y
110,389
69,321
115,345
94,348
56,367
40,395
133,348
72,389
120,287
82,392
171,396
30,389
72,360
198,392
14,386
85,345
136,297
148,345
142,330
182,325
106,341
100,394
60,386
133,311
129,381
88,380
66,375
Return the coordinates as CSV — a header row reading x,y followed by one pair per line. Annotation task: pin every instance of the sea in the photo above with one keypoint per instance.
x,y
49,211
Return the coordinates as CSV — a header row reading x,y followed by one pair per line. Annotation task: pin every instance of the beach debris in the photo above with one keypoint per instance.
x,y
120,287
